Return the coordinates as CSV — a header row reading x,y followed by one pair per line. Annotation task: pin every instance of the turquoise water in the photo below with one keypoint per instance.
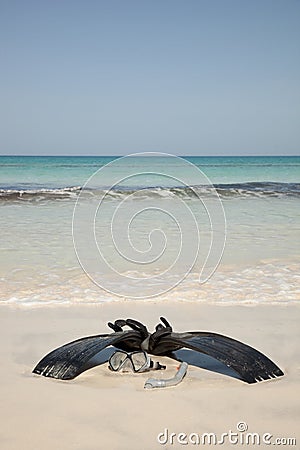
x,y
49,172
145,219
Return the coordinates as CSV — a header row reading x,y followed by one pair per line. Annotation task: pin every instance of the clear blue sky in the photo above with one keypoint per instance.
x,y
206,77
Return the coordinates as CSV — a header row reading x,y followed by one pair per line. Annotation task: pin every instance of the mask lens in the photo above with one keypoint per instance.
x,y
139,360
117,360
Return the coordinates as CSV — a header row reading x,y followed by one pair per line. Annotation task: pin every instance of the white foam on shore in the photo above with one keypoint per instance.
x,y
267,283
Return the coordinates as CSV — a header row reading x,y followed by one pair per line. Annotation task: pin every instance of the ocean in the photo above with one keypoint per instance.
x,y
153,227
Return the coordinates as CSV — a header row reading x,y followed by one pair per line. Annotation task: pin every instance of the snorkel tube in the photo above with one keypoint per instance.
x,y
161,383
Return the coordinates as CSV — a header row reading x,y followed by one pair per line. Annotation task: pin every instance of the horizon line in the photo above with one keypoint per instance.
x,y
123,155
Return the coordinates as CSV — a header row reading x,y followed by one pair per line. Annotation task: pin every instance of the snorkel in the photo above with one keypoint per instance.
x,y
166,382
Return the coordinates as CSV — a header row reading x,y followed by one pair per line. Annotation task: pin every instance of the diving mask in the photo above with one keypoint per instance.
x,y
138,361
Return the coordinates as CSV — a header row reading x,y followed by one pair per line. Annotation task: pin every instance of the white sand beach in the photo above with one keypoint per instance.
x,y
100,409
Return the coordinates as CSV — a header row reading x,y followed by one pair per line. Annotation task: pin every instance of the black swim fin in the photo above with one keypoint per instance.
x,y
250,364
68,361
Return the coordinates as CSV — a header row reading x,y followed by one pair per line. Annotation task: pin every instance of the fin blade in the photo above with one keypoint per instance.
x,y
250,364
69,360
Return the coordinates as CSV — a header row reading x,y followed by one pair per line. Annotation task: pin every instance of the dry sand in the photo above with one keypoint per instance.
x,y
101,410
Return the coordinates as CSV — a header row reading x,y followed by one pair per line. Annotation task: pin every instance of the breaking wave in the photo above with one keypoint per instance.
x,y
250,189
40,194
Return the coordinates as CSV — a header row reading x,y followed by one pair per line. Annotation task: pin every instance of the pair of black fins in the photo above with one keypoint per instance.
x,y
245,363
